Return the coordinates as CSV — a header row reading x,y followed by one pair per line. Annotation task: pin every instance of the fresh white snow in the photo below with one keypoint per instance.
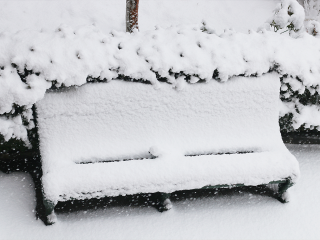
x,y
231,215
108,15
225,215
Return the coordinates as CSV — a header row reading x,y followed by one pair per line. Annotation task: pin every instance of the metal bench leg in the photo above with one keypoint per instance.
x,y
50,216
163,202
282,191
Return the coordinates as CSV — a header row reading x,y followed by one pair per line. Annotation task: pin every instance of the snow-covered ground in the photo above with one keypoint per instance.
x,y
224,215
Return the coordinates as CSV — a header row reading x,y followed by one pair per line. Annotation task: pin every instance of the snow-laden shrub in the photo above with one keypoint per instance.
x,y
300,105
32,62
313,28
13,128
300,100
312,24
288,16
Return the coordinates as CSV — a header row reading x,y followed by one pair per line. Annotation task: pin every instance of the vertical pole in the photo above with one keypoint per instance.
x,y
132,10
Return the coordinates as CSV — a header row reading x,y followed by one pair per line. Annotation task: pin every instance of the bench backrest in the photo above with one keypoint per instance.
x,y
123,120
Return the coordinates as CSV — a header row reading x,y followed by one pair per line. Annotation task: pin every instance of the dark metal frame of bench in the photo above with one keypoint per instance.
x,y
162,203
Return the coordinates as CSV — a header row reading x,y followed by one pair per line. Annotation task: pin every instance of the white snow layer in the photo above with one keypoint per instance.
x,y
109,15
13,127
69,56
196,214
124,120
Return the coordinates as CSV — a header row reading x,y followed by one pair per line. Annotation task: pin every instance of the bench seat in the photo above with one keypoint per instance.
x,y
166,174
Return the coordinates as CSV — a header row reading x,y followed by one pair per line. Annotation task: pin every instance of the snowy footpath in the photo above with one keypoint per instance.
x,y
224,214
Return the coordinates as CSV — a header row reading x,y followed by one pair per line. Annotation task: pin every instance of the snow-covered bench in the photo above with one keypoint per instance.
x,y
120,138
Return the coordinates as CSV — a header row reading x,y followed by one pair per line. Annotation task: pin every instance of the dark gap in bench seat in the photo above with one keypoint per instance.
x,y
154,157
219,153
141,157
118,160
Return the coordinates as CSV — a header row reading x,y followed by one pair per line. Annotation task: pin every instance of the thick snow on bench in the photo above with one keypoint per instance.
x,y
181,133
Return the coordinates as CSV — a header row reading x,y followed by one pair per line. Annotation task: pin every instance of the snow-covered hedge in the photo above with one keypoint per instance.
x,y
289,15
32,62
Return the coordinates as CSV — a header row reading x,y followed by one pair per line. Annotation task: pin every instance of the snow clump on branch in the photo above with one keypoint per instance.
x,y
289,16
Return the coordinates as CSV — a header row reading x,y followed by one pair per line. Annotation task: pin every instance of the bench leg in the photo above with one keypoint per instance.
x,y
283,195
50,216
163,202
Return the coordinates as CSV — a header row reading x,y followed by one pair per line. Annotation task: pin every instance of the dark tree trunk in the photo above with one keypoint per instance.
x,y
132,15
